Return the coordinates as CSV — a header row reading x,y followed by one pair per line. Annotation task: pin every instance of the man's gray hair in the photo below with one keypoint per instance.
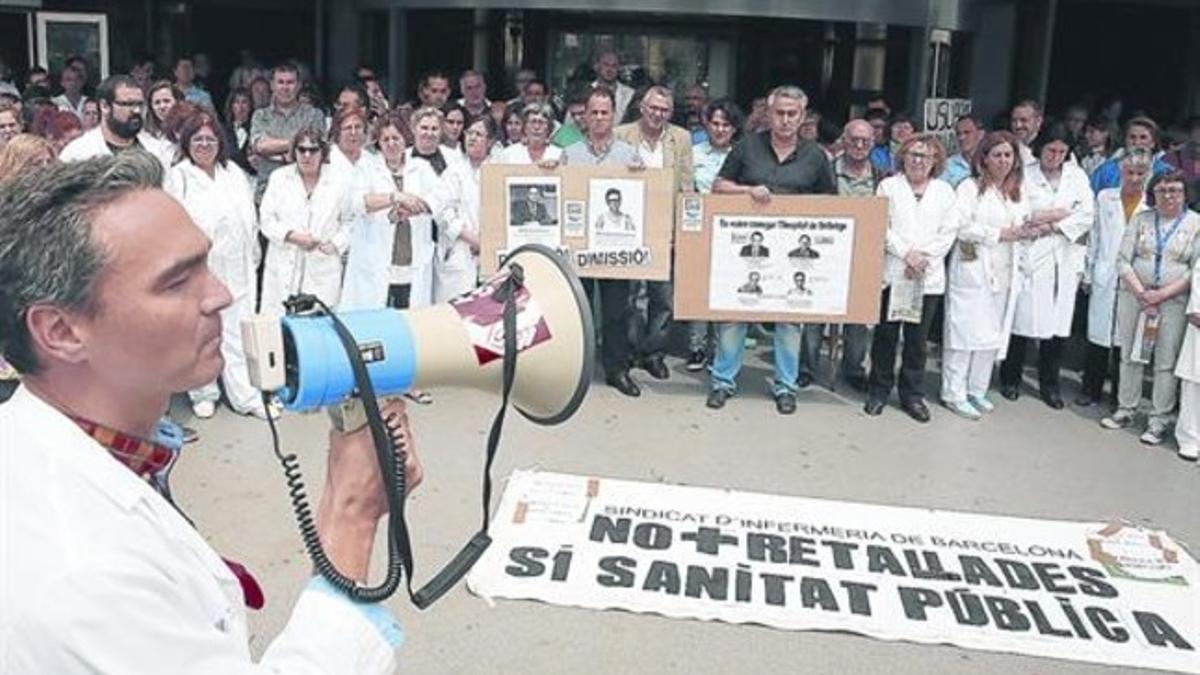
x,y
660,90
787,91
467,74
48,252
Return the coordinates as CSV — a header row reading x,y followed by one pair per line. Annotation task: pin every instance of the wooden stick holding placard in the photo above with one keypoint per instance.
x,y
612,222
796,259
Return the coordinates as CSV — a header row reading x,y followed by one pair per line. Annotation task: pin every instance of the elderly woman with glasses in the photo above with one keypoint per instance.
x,y
922,223
218,197
306,215
1158,252
538,119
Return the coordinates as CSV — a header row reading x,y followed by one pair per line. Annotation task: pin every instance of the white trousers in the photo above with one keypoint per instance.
x,y
243,397
966,373
1187,428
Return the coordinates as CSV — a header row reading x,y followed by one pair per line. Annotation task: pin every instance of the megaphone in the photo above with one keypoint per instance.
x,y
461,343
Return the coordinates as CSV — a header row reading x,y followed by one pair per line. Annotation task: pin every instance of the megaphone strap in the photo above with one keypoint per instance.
x,y
466,558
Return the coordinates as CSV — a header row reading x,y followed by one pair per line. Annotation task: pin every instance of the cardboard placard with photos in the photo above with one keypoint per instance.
x,y
797,259
611,222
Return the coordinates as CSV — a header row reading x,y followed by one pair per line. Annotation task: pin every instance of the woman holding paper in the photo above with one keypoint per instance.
x,y
1155,264
991,215
1049,264
922,223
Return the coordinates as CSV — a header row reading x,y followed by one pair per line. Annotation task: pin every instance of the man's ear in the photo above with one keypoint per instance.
x,y
56,333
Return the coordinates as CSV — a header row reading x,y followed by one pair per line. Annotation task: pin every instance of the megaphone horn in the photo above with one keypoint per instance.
x,y
460,343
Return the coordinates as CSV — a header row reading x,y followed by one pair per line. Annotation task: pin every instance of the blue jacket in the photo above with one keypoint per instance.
x,y
1108,174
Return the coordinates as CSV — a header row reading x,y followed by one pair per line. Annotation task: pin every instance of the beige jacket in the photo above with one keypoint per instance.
x,y
677,151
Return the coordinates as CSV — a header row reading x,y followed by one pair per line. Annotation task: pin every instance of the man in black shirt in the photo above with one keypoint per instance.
x,y
775,161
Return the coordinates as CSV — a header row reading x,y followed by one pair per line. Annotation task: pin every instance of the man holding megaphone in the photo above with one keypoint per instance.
x,y
106,307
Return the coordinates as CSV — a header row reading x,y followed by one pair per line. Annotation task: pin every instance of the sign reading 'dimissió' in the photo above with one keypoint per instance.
x,y
1102,593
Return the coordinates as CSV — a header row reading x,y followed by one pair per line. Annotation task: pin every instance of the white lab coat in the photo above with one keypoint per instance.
x,y
327,215
91,144
366,283
421,180
456,268
979,301
928,225
1049,268
223,208
1188,365
104,576
518,153
1104,243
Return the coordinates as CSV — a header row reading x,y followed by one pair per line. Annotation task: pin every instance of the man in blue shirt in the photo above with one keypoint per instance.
x,y
968,130
185,79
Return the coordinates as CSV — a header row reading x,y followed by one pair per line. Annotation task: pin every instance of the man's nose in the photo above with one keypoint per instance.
x,y
218,297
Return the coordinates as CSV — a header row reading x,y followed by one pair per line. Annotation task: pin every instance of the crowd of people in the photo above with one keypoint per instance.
x,y
1033,231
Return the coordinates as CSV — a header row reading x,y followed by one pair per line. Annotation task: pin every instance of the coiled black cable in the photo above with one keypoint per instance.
x,y
387,441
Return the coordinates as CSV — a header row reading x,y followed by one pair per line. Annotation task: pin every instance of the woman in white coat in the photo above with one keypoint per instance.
x,y
922,223
427,164
1115,208
1187,429
1049,264
218,197
1155,264
306,215
456,266
536,148
979,301
372,193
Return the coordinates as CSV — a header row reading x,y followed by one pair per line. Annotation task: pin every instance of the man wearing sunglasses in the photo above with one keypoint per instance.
x,y
122,106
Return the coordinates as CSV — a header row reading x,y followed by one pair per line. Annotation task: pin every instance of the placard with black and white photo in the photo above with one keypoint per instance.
x,y
533,211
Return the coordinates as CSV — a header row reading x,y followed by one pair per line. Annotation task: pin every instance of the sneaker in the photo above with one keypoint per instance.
x,y
696,361
964,410
1190,453
204,409
1118,420
1154,434
982,404
190,435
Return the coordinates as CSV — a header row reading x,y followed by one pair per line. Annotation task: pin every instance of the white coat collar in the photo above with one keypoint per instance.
x,y
65,443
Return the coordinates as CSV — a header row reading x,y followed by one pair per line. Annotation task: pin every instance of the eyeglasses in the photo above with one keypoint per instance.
x,y
204,140
1168,190
308,149
858,142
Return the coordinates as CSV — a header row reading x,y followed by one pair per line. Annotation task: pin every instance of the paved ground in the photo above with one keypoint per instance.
x,y
1024,460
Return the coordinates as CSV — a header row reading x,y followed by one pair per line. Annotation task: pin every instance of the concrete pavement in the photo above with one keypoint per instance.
x,y
1024,460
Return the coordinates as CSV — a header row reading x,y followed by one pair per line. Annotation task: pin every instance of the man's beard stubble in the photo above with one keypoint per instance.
x,y
128,129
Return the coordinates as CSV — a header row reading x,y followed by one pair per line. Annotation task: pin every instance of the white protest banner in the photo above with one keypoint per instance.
x,y
940,117
1095,592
